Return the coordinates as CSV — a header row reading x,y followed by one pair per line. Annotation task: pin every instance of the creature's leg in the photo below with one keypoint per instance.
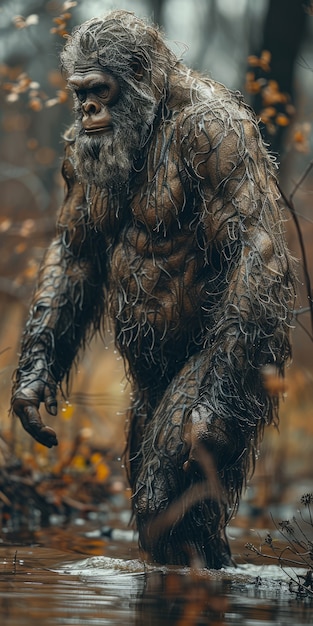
x,y
181,511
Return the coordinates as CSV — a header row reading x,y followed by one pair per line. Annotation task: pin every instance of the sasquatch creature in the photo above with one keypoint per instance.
x,y
171,226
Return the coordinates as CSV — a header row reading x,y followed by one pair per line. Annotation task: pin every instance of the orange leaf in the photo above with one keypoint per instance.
x,y
67,411
282,120
62,96
79,462
102,472
273,382
35,104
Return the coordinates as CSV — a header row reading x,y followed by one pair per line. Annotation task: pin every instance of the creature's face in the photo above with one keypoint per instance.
x,y
113,117
117,68
96,93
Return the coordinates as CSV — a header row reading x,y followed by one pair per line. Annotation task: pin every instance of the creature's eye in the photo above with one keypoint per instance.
x,y
80,94
102,91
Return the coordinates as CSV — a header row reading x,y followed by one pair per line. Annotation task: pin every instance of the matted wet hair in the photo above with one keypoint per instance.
x,y
117,42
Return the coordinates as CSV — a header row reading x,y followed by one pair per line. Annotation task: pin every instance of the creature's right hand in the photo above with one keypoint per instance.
x,y
26,401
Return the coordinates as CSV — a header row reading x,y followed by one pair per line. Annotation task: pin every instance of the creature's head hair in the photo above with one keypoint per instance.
x,y
117,42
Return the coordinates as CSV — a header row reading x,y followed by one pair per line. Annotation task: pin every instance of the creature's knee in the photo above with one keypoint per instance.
x,y
150,493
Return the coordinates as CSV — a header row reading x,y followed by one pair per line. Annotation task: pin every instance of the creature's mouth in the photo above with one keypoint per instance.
x,y
97,130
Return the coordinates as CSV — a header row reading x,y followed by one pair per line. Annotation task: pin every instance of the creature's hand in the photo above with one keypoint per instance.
x,y
31,390
206,435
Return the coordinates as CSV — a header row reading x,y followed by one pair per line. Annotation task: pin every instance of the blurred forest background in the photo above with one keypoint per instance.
x,y
264,48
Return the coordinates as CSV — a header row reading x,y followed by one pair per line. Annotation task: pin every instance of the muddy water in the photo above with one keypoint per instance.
x,y
60,577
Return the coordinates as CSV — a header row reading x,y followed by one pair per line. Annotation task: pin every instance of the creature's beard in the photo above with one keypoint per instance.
x,y
107,160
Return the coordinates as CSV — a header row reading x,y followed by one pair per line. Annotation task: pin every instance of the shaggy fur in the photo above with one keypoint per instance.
x,y
183,246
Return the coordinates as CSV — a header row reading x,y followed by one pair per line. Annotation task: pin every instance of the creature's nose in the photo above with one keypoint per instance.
x,y
91,107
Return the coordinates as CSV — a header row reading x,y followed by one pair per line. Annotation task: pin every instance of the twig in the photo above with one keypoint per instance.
x,y
301,180
291,207
275,557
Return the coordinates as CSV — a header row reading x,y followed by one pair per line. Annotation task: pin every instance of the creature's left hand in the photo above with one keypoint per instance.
x,y
32,389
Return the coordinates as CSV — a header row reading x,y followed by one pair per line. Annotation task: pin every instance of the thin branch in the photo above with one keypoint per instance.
x,y
307,332
298,312
291,207
301,180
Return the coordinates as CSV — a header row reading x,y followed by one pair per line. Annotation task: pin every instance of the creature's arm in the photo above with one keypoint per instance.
x,y
66,305
250,281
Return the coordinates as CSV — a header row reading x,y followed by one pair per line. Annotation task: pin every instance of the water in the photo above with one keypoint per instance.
x,y
67,579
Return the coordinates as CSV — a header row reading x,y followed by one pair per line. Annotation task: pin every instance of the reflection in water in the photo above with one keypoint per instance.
x,y
50,587
181,599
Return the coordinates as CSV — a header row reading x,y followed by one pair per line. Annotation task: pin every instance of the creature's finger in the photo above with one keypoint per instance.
x,y
50,402
32,422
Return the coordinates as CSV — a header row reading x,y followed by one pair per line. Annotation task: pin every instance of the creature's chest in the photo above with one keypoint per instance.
x,y
157,198
162,196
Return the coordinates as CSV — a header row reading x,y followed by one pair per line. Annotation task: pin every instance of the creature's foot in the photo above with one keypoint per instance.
x,y
178,520
189,541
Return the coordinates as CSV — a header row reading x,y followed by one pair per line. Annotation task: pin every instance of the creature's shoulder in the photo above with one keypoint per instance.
x,y
214,117
215,130
213,109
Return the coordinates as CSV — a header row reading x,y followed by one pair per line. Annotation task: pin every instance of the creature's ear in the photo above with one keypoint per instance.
x,y
137,69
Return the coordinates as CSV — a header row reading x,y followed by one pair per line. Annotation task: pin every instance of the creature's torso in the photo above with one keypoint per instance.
x,y
152,238
157,233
